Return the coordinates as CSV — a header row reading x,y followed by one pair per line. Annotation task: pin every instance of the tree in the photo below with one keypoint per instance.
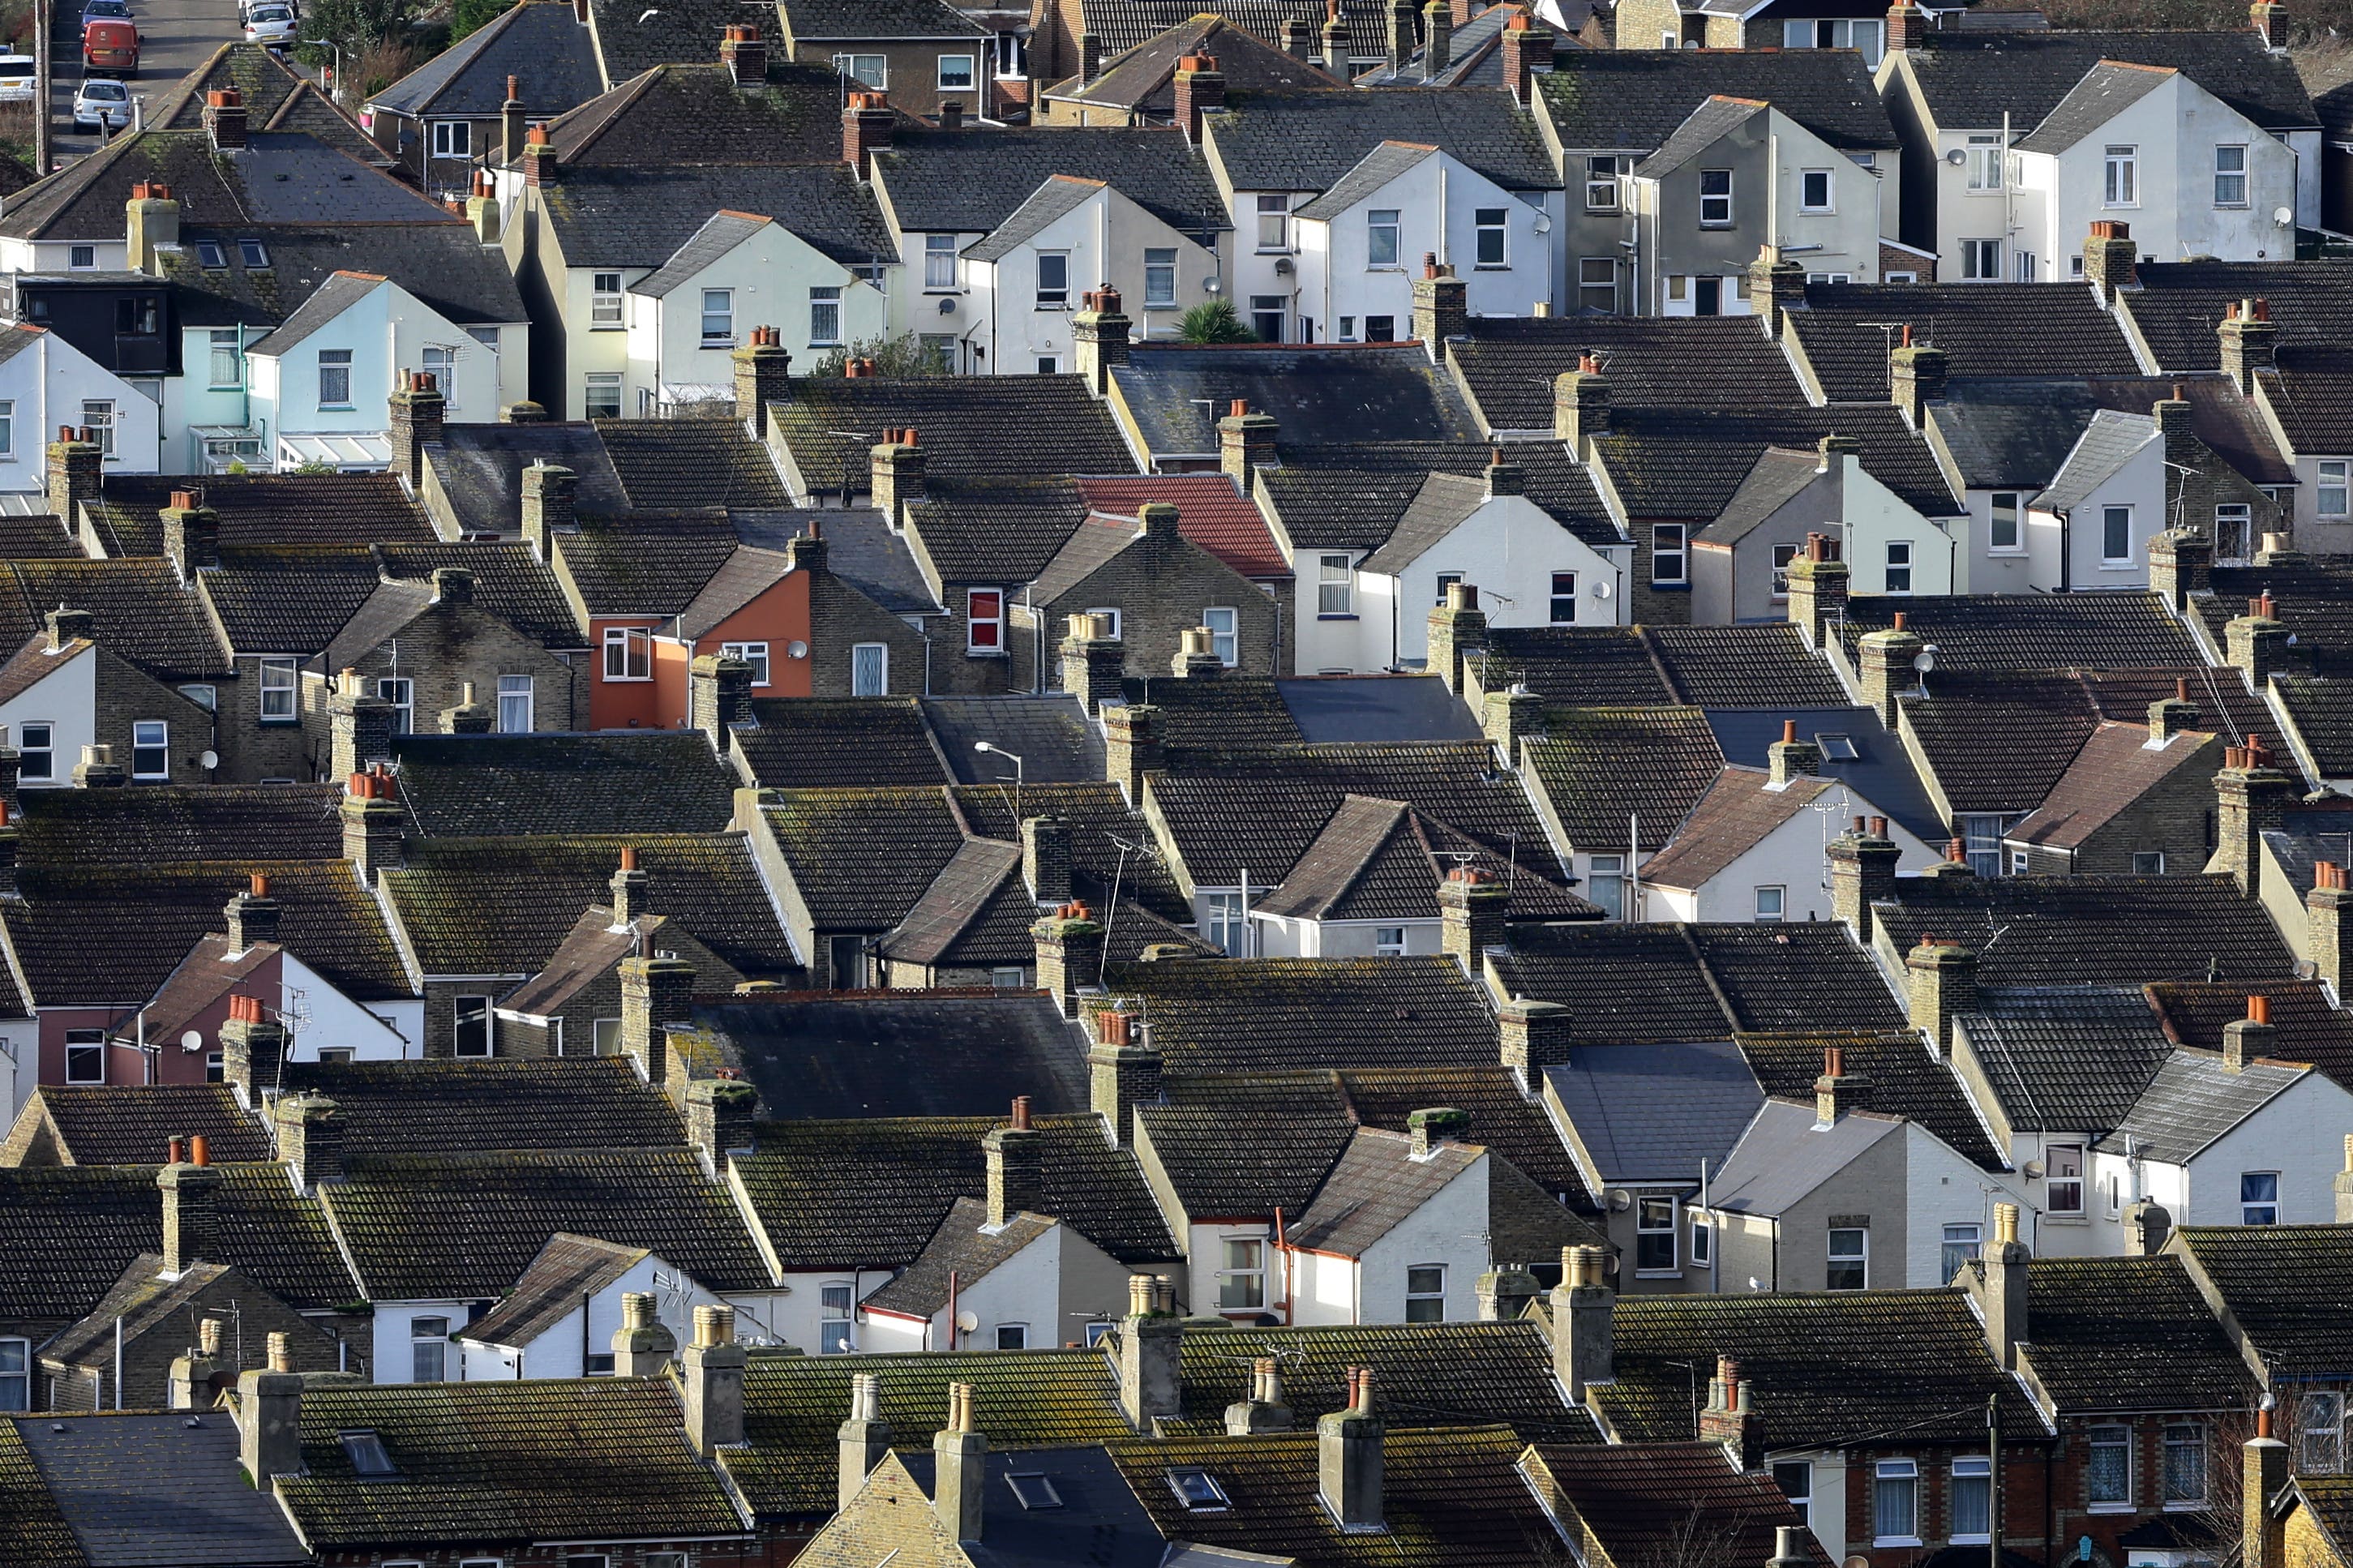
x,y
905,354
468,16
1214,322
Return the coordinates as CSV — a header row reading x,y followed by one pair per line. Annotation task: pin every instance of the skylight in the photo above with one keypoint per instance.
x,y
366,1451
1198,1489
1033,1490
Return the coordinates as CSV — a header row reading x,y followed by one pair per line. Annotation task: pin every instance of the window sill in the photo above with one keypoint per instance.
x,y
2231,206
1969,1541
278,723
2119,566
825,344
1326,618
1263,251
608,327
986,653
1896,1540
339,408
1682,586
2049,1218
2198,1507
2110,1507
1492,266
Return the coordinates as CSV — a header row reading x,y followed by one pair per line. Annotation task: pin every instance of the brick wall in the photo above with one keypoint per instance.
x,y
127,694
252,749
1160,585
447,646
249,1317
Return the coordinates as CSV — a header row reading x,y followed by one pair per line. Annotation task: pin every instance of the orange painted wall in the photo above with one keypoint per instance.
x,y
620,704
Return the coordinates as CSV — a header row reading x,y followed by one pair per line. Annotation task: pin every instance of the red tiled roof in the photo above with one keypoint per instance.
x,y
1210,512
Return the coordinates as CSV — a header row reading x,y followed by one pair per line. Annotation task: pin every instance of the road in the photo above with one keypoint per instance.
x,y
177,36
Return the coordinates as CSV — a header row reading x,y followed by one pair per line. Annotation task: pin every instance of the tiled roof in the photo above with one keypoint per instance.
x,y
2117,766
33,1531
179,823
1123,25
2003,433
1835,1369
134,1124
1621,983
539,40
652,782
962,1252
1243,1162
1100,824
2310,1029
508,584
504,1462
1210,512
961,421
36,536
2285,1287
823,1054
1971,79
2195,1100
1308,140
644,563
2315,602
1217,715
1805,977
860,858
2322,713
468,1108
1738,812
1744,666
1667,463
499,906
288,600
682,219
2001,743
1611,772
2180,303
1376,1186
73,945
1998,632
2114,931
139,610
674,463
1274,1014
2068,1059
995,532
1601,667
1842,335
977,910
266,511
672,105
1318,394
2310,400
1636,1499
445,1224
1631,99
1899,1076
1655,1112
2126,1333
1144,77
568,1270
813,742
1502,1119
1379,859
951,180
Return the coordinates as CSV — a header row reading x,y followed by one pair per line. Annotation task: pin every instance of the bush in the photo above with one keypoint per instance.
x,y
905,354
1214,322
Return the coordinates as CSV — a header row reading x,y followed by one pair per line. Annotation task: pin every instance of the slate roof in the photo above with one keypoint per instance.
x,y
1882,770
2310,1028
1376,707
2315,602
2180,304
1379,859
2000,633
824,1054
961,421
152,1487
486,785
2072,931
2126,1333
977,910
2067,1057
1900,1077
1969,78
1274,1014
2106,445
1318,394
1708,123
112,1124
1738,812
1779,478
2107,91
1611,773
1842,334
508,584
1670,464
173,823
537,40
1309,139
633,215
2115,767
1354,491
479,469
1632,100
1653,1112
2004,432
690,462
32,1531
1376,1186
1144,76
568,1270
1634,1500
465,1108
2283,1287
643,564
1786,1154
813,742
504,1462
1050,734
953,181
1220,1159
672,105
964,1250
2194,1099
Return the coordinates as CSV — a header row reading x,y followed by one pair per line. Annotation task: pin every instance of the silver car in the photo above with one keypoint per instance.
x,y
102,103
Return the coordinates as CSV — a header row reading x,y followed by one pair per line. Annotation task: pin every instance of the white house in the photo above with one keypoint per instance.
x,y
1025,279
561,1317
1028,1284
50,716
1739,563
1397,1233
2089,528
740,271
2147,145
1360,244
1753,847
46,382
321,380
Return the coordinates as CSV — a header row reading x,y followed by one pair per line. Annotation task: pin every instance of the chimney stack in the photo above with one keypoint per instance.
x,y
1200,87
2171,716
1335,39
1862,872
1298,40
1099,338
763,378
152,223
11,841
2326,932
191,535
309,1139
2263,1474
1888,668
720,1116
269,1418
2248,1038
374,824
1016,1173
2251,799
657,990
1514,716
629,885
2111,259
253,1050
1817,589
643,1344
1907,26
1069,946
540,169
719,696
513,124
959,1468
1245,443
2007,1320
1046,860
1471,906
1778,278
1583,1328
1580,403
1790,759
714,1367
191,1190
1437,37
1441,306
2180,564
1527,55
1264,1410
1132,747
1402,32
1122,1072
895,470
866,128
195,1376
744,54
2270,22
99,770
1730,1415
1151,1340
1349,1452
1943,985
1916,375
1534,1035
360,726
863,1439
1505,1292
1456,626
1092,662
225,118
1196,648
252,916
2250,342
1837,1092
2256,642
2342,1186
418,410
1434,1129
549,496
75,462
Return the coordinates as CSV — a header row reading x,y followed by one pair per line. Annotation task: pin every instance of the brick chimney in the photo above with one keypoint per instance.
x,y
762,378
1817,588
897,468
1132,747
1016,1159
374,823
1907,26
513,124
252,916
195,1381
866,126
720,1114
1092,661
225,118
1441,306
1245,443
1122,1070
1505,1292
1299,40
1196,652
549,496
1046,860
744,54
1837,1092
2245,1039
2180,562
269,1416
1264,1410
1581,407
861,1441
1504,478
1456,626
418,411
1729,1417
2174,715
1403,33
643,1344
1862,872
1916,375
1433,1128
152,223
1941,985
714,1380
1200,87
1527,55
1583,1330
67,627
2008,1319
10,844
2111,259
2251,799
191,1190
1887,671
360,726
719,696
1774,276
1149,1355
657,990
310,1130
539,168
2250,342
468,717
628,885
99,770
2270,21
1790,758
1099,338
1091,50
75,462
1471,905
2263,1475
253,1050
959,1468
1335,39
1348,1454
2327,933
191,535
1070,945
1533,1036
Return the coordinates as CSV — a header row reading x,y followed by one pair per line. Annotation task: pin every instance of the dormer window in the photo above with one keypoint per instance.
x,y
366,1451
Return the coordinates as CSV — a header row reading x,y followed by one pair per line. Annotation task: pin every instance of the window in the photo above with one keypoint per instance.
x,y
486,336
2107,1469
718,318
2116,536
1836,748
870,669
1715,198
515,716
2001,527
2185,1466
1899,565
605,300
1053,279
15,1374
2148,862
2063,1166
1348,328
1654,1235
1849,1260
346,1052
1601,185
36,751
82,258
1597,284
1446,580
471,1025
2231,175
1223,917
628,654
1048,365
2026,267
1782,556
366,1451
2330,494
2120,187
1814,190
1895,1503
2322,1451
1159,278
1425,1293
1389,942
1963,1245
825,314
871,70
1564,598
1667,556
834,1336
216,1066
955,71
1981,260
1703,1240
1335,586
1381,236
1241,1283
1771,904
1380,329
939,261
1198,1489
1274,222
602,399
428,1348
334,378
1972,1500
98,415
1033,1490
150,749
2234,524
1225,638
441,364
453,139
228,357
210,256
85,1055
755,654
983,616
2259,1197
1492,228
1013,1336
1606,885
1796,1479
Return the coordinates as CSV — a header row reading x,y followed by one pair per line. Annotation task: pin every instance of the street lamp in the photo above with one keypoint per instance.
x,y
995,750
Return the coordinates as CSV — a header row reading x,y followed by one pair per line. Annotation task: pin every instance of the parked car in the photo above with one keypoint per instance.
x,y
272,24
15,78
109,49
104,11
100,102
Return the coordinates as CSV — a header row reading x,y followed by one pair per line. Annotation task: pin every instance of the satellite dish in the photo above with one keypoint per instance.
x,y
1957,157
209,759
967,1321
797,648
1618,1199
1602,588
1210,285
2284,216
194,1040
1925,660
947,305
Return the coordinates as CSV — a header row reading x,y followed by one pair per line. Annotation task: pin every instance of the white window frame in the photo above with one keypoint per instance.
x,y
1601,183
1274,209
2148,862
1962,1244
2120,175
825,314
1562,599
1833,1257
1715,209
2069,1203
1656,1215
755,654
1899,566
1224,623
628,654
2001,506
1389,942
1669,541
1886,1473
598,382
227,346
2224,175
1491,233
2320,1432
421,1336
15,1373
280,678
1425,1305
453,139
91,1046
1605,884
1978,1467
1053,296
161,732
441,364
952,79
939,263
1383,247
1806,203
875,73
1160,278
880,653
2112,520
604,302
2332,490
1770,905
1335,587
718,319
2108,1437
1790,1473
2254,1208
993,622
464,1009
1981,260
2183,1437
518,699
1223,923
82,258
1241,1281
335,364
1702,1239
